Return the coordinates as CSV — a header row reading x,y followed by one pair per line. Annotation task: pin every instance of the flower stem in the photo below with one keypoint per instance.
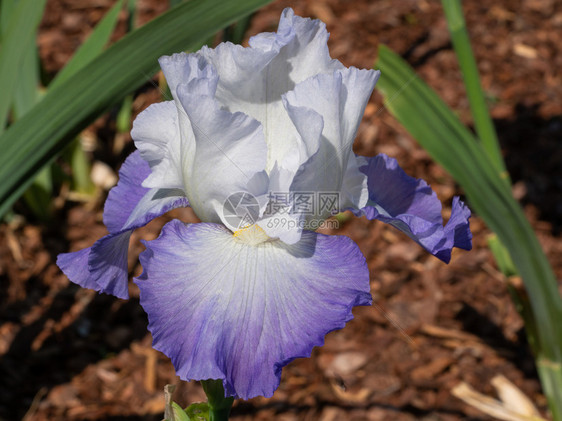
x,y
219,406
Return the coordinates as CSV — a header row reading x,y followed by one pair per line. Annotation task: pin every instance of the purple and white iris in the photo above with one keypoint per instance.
x,y
278,116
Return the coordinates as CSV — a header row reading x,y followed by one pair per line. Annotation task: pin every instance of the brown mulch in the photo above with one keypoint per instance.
x,y
70,354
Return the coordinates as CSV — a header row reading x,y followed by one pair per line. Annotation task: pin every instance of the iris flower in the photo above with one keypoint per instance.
x,y
239,302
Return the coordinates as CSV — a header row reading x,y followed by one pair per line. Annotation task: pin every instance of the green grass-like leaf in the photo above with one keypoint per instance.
x,y
440,132
68,108
17,37
92,47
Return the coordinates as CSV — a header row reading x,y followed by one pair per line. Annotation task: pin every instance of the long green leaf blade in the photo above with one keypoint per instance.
x,y
92,47
437,129
479,108
26,92
65,110
16,39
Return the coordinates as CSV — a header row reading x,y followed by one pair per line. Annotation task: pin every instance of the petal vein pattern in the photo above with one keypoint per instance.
x,y
253,80
411,206
263,306
220,152
104,267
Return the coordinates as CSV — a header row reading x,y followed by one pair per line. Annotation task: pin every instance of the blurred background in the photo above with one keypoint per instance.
x,y
67,353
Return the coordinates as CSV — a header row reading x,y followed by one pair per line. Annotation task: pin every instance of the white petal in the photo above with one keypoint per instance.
x,y
339,99
229,153
355,192
156,135
252,80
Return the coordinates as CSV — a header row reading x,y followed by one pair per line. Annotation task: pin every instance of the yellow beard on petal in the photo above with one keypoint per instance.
x,y
252,235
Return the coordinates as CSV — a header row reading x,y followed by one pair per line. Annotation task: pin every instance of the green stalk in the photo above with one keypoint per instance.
x,y
435,126
550,374
547,349
482,121
219,406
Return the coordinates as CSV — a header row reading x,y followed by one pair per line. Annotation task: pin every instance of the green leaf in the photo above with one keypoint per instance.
x,y
123,120
6,7
39,196
198,411
505,264
219,405
440,132
27,90
92,47
17,38
68,108
479,108
235,32
81,179
180,415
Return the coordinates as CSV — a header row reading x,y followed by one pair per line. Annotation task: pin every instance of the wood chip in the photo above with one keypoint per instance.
x,y
498,408
441,332
525,51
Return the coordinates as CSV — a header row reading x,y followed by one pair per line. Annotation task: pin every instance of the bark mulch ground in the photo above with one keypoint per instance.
x,y
70,354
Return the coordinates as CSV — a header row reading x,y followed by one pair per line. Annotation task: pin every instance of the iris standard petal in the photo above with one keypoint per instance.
x,y
252,80
230,153
411,206
340,99
156,135
304,51
103,267
224,309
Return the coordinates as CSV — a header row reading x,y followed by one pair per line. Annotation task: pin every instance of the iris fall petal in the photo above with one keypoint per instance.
x,y
103,267
411,206
223,309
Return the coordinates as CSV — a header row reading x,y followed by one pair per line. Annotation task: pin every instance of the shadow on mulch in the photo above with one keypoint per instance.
x,y
530,142
279,408
492,334
42,357
133,418
533,155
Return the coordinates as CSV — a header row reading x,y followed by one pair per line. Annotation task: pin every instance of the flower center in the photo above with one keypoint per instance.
x,y
252,235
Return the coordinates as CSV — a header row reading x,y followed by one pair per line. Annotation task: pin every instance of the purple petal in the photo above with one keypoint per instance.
x,y
411,206
224,309
103,267
123,198
73,265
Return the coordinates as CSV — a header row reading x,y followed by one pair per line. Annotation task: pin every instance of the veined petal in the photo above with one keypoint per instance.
x,y
182,68
156,135
354,191
253,80
103,267
229,155
339,99
411,206
304,47
123,198
244,319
